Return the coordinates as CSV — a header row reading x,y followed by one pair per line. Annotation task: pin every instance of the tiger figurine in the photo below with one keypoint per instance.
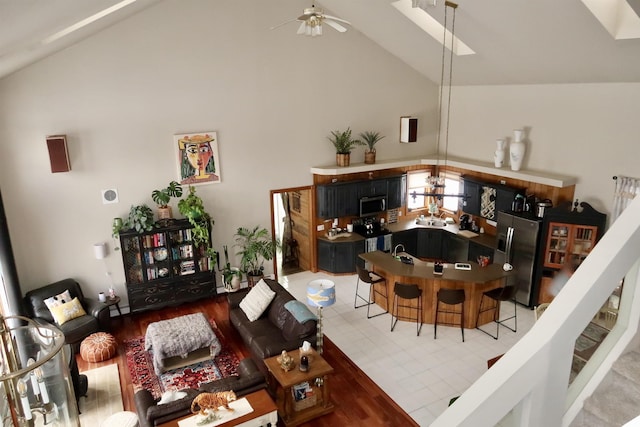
x,y
212,401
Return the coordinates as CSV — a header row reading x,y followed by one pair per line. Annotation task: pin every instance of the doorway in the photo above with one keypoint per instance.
x,y
291,222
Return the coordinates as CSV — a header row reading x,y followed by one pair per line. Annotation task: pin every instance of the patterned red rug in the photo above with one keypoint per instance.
x,y
140,364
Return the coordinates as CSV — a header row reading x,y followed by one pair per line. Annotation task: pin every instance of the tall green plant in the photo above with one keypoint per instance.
x,y
256,247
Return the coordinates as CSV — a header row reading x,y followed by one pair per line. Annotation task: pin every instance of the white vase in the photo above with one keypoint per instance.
x,y
517,150
498,156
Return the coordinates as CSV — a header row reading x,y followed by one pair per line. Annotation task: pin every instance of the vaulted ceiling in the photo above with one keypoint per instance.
x,y
516,41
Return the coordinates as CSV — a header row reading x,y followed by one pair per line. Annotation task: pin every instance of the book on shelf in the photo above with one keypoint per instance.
x,y
301,391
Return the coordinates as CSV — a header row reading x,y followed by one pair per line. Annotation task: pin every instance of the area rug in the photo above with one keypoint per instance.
x,y
140,364
103,398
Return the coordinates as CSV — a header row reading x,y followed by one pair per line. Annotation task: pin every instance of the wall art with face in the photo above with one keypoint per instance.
x,y
198,159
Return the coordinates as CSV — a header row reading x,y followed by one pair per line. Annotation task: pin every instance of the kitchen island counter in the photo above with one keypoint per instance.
x,y
474,282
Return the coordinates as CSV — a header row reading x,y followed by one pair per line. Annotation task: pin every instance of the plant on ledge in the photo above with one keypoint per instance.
x,y
192,207
256,247
343,144
162,198
370,138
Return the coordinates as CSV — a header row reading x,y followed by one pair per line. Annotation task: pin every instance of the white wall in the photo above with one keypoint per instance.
x,y
187,66
590,131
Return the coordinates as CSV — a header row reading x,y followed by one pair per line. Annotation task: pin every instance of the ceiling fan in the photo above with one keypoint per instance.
x,y
311,22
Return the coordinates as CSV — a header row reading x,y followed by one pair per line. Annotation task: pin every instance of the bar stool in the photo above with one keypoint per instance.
x,y
407,292
372,279
497,296
451,297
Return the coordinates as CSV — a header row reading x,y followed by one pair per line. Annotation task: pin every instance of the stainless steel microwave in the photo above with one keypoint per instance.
x,y
371,206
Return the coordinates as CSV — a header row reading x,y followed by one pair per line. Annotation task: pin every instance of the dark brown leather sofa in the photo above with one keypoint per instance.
x,y
248,380
274,331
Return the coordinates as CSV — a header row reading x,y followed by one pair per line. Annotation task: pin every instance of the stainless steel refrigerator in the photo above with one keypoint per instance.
x,y
518,237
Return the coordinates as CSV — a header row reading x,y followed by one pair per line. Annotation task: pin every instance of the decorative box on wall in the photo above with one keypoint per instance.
x,y
163,267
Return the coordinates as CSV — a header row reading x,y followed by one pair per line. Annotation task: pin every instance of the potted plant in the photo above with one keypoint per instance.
x,y
231,276
370,138
192,207
256,247
343,144
140,219
162,197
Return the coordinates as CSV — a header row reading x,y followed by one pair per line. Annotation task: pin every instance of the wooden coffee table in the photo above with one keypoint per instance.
x,y
264,411
283,384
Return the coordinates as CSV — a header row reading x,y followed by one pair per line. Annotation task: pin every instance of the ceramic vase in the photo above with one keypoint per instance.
x,y
517,150
498,157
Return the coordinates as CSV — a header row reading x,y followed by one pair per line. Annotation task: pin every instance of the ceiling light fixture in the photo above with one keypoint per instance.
x,y
311,22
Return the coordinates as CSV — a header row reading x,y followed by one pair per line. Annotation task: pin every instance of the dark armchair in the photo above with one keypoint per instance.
x,y
75,330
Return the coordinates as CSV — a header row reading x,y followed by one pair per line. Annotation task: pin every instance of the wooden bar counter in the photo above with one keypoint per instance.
x,y
474,282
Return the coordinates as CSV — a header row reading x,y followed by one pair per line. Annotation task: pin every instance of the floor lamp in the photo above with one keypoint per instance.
x,y
320,293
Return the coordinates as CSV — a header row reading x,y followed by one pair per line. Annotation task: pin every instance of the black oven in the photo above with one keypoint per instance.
x,y
371,206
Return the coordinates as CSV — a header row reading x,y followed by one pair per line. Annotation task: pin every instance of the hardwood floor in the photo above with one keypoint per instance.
x,y
358,401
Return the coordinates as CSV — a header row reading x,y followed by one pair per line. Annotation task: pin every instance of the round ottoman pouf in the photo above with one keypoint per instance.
x,y
98,347
121,419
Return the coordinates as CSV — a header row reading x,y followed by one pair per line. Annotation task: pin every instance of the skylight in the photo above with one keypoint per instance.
x,y
83,23
617,17
430,26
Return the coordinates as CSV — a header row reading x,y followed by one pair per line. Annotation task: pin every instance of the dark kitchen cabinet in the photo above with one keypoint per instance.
x,y
454,248
476,250
373,187
409,239
337,200
339,256
470,204
505,196
429,243
396,191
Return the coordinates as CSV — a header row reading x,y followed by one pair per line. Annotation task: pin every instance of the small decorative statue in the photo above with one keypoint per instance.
x,y
286,362
211,402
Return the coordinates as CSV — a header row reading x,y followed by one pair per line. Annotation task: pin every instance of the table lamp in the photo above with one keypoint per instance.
x,y
320,293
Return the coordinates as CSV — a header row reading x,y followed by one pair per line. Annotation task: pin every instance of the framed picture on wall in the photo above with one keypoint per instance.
x,y
198,159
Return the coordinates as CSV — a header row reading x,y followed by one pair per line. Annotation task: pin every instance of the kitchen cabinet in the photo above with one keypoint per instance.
x,y
396,191
476,250
407,238
470,204
337,200
343,198
429,243
339,256
454,248
569,236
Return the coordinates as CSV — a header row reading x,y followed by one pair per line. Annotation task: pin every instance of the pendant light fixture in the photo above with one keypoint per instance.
x,y
436,182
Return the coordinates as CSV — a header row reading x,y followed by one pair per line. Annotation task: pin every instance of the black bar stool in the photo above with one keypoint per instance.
x,y
449,297
407,292
493,299
372,279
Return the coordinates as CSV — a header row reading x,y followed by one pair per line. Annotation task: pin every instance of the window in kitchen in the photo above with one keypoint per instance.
x,y
417,182
451,186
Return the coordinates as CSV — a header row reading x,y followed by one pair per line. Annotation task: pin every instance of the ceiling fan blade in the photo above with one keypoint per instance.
x,y
336,19
335,25
302,28
284,23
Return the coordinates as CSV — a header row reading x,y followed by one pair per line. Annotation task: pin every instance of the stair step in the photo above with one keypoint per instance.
x,y
615,400
588,419
628,365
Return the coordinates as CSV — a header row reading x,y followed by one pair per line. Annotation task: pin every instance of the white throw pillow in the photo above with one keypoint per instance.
x,y
171,396
257,300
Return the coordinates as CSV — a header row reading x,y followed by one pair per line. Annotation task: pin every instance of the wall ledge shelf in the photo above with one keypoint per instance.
x,y
538,177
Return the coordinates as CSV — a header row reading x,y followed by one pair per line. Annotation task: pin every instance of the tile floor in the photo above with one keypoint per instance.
x,y
419,373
